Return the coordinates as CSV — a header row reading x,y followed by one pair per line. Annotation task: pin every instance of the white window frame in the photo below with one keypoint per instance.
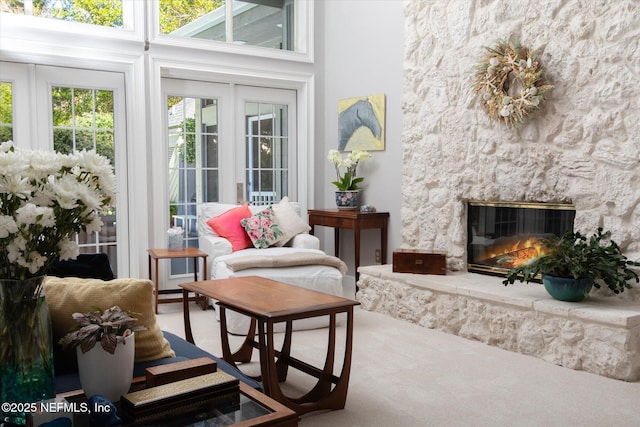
x,y
25,26
21,78
263,95
48,77
304,40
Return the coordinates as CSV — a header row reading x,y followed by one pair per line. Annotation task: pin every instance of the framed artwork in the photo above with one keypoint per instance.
x,y
361,123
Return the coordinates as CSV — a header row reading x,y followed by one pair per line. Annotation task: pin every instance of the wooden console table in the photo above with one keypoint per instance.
x,y
158,254
356,221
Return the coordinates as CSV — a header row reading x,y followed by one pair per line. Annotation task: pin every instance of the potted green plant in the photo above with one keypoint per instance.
x,y
106,369
573,263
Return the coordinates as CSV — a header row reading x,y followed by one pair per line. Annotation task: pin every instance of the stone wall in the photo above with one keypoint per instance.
x,y
582,147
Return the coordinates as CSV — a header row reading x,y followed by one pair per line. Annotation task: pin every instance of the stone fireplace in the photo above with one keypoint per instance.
x,y
501,236
581,148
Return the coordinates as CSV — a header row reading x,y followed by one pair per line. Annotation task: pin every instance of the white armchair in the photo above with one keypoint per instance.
x,y
322,278
215,246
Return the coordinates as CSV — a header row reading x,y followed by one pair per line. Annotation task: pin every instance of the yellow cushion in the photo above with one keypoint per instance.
x,y
69,295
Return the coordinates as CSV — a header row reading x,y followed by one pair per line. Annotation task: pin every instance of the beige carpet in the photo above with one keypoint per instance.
x,y
406,375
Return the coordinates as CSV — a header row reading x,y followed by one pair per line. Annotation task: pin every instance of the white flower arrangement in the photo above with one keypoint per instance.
x,y
510,82
348,181
45,199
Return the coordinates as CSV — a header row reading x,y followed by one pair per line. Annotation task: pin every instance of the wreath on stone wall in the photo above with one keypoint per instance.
x,y
510,83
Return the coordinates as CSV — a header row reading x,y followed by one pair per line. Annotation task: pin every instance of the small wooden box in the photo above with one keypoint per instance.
x,y
419,261
164,374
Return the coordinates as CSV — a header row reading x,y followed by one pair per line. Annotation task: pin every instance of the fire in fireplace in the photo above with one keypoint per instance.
x,y
501,235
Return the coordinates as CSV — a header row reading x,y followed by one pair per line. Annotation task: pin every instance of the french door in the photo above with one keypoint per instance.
x,y
66,110
265,144
226,143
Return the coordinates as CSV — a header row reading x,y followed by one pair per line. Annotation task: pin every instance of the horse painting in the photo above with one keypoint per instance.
x,y
360,114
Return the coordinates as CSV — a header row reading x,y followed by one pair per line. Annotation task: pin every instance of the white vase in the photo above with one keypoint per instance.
x,y
107,374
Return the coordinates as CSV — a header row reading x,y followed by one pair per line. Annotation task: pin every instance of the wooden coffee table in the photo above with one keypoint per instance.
x,y
268,302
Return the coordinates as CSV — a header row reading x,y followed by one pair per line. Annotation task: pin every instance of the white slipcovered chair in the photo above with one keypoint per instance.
x,y
319,277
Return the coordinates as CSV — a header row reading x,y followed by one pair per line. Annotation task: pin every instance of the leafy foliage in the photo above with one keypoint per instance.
x,y
347,182
96,12
178,13
574,255
107,327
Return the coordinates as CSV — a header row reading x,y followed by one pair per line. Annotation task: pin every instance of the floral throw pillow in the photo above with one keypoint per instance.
x,y
263,229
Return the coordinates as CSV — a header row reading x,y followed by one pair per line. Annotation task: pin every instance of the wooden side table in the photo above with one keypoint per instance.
x,y
355,220
268,302
163,253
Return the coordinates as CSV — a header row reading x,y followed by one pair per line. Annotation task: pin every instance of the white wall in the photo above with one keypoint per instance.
x,y
361,47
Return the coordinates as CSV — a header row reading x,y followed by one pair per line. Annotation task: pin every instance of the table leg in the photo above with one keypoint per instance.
x,y
336,242
321,396
383,240
267,360
155,279
195,279
195,268
224,337
187,320
356,243
323,386
245,352
204,273
282,364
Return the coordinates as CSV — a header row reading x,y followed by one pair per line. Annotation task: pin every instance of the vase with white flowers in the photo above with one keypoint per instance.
x,y
45,199
347,182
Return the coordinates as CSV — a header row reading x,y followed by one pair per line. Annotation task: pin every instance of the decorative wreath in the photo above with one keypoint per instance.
x,y
510,82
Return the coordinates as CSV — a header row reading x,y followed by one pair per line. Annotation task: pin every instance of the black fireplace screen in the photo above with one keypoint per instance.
x,y
504,235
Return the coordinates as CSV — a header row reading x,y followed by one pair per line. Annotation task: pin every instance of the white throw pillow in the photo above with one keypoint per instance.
x,y
290,223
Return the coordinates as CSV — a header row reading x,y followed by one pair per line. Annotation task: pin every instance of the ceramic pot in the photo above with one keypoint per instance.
x,y
26,345
347,199
107,374
567,288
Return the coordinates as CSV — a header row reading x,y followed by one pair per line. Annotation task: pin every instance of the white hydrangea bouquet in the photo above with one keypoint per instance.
x,y
45,199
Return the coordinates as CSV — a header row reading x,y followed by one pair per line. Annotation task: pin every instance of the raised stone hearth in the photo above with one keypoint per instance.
x,y
600,335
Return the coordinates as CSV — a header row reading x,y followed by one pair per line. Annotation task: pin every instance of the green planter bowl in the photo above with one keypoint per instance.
x,y
567,288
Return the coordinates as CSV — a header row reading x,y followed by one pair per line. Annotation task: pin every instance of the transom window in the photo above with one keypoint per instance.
x,y
107,13
265,23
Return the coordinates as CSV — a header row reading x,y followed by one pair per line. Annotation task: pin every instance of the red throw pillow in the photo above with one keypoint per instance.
x,y
228,226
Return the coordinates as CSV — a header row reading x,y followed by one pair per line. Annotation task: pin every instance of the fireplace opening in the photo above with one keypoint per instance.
x,y
501,235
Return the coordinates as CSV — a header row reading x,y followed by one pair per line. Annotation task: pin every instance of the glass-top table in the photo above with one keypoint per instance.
x,y
253,409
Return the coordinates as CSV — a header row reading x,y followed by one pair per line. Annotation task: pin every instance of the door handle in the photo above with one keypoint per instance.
x,y
240,192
